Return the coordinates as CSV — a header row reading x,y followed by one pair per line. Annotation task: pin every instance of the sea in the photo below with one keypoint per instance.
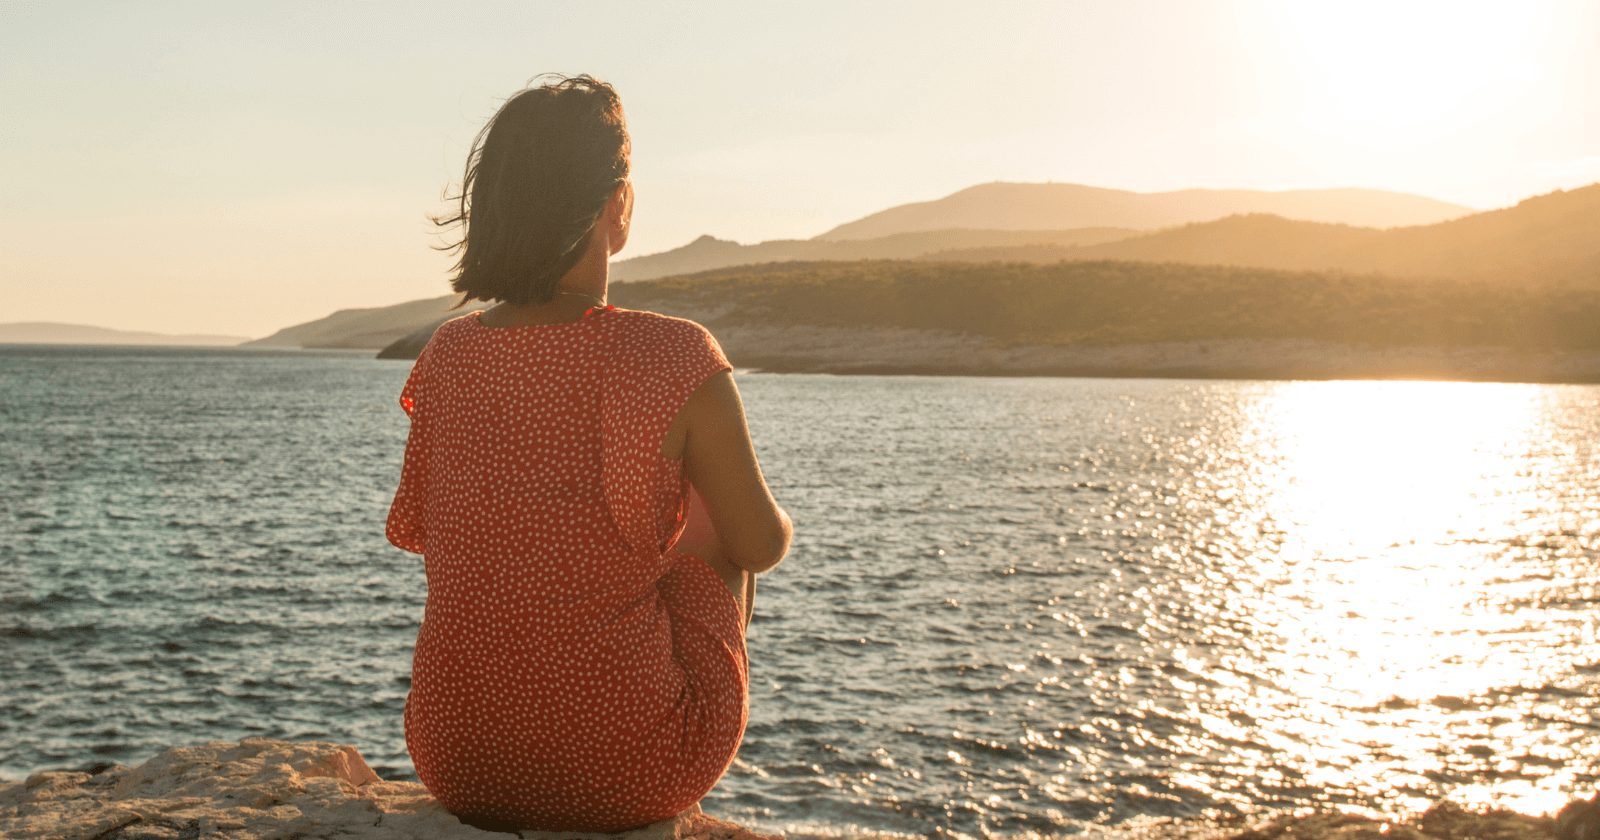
x,y
1014,607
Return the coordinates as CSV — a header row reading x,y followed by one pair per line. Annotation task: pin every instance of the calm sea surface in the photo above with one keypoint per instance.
x,y
1014,605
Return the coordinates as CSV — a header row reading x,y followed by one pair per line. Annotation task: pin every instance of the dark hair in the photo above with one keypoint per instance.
x,y
537,178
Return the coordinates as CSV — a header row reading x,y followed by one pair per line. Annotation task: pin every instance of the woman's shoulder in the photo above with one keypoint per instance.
x,y
651,319
647,325
667,344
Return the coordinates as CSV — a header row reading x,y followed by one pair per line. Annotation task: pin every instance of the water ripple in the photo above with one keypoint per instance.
x,y
1025,605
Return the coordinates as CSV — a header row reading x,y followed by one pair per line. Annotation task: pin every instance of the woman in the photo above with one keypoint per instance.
x,y
581,483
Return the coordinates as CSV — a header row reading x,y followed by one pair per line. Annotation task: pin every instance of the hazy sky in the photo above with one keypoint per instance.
x,y
235,168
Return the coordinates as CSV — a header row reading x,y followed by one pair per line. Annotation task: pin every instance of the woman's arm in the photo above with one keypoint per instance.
x,y
720,460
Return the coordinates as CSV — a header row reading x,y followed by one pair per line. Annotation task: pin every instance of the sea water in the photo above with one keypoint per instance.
x,y
1013,606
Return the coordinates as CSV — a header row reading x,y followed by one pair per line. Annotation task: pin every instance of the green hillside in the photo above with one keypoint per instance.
x,y
1125,319
1074,303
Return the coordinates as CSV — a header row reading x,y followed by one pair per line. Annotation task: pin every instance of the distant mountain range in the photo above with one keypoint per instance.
x,y
981,223
1009,215
708,252
1511,294
1009,206
1554,237
44,332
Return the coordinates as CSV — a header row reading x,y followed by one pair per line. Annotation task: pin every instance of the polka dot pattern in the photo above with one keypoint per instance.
x,y
573,671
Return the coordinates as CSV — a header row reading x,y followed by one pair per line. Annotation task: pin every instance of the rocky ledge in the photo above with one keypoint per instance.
x,y
261,788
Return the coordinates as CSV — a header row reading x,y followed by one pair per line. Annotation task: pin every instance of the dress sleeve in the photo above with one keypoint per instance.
x,y
404,526
653,374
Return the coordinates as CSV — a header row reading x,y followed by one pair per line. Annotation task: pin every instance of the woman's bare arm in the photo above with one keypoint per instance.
x,y
720,460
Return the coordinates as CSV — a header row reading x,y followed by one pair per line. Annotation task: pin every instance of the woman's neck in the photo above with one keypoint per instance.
x,y
589,276
587,281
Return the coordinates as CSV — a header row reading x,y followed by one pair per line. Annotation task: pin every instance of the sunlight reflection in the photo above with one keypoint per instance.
x,y
1396,502
1373,478
1367,465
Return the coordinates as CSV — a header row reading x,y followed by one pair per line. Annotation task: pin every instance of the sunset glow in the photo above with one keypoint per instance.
x,y
152,155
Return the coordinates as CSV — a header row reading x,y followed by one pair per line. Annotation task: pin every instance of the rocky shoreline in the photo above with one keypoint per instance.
x,y
898,351
260,788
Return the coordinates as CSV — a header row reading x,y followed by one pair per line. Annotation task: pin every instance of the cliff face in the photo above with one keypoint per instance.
x,y
261,788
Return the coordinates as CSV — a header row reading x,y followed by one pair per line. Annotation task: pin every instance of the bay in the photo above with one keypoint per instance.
x,y
1013,605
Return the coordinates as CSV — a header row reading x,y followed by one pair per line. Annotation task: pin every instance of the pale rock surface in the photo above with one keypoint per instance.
x,y
258,789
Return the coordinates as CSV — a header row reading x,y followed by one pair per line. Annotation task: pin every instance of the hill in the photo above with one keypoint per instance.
x,y
708,252
1010,215
366,328
1012,206
46,332
1541,241
1125,319
379,326
1124,303
1548,238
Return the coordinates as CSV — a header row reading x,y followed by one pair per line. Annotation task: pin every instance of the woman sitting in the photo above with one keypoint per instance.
x,y
580,481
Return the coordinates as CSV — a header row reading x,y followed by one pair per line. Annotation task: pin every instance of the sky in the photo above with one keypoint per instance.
x,y
234,168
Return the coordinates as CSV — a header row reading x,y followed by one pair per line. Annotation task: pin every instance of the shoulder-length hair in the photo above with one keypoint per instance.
x,y
537,178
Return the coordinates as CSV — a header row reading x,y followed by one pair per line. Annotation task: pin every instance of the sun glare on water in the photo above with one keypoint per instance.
x,y
1369,466
1400,506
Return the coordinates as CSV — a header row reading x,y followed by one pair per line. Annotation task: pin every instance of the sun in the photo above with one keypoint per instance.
x,y
1407,71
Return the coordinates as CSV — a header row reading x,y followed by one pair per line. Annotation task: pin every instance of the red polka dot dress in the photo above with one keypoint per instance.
x,y
573,671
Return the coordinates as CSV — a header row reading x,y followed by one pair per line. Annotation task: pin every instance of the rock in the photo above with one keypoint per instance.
x,y
1444,821
1579,820
260,788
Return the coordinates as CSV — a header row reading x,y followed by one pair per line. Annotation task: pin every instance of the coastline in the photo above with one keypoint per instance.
x,y
898,351
901,351
260,788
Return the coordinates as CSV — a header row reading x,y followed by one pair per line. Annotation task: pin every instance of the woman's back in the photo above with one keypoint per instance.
x,y
573,670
